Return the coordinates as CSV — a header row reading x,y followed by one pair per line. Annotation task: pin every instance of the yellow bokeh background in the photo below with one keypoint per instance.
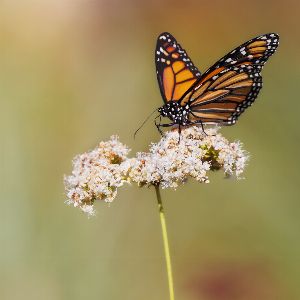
x,y
74,72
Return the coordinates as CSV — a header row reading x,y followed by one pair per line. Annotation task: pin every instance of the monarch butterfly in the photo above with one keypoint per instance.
x,y
218,96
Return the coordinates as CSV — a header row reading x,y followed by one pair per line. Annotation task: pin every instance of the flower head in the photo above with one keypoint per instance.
x,y
170,162
97,174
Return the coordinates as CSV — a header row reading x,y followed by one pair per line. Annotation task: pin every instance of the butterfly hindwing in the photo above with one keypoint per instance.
x,y
175,71
232,84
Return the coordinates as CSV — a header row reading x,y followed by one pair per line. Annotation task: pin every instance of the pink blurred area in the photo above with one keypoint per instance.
x,y
233,280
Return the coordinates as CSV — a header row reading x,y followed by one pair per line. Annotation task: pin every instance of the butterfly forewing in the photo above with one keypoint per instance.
x,y
175,71
232,84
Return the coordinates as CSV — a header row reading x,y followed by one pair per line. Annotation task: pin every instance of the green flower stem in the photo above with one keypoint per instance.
x,y
166,242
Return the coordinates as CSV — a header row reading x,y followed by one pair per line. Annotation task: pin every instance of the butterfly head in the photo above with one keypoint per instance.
x,y
175,112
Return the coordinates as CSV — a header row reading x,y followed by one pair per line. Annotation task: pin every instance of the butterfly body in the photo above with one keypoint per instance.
x,y
175,112
222,93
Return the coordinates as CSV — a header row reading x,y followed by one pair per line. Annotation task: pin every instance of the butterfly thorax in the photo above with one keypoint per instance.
x,y
175,112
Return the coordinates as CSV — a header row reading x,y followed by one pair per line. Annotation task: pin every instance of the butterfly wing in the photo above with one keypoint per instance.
x,y
232,84
175,71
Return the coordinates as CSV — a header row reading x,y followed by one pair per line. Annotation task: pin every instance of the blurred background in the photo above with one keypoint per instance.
x,y
74,72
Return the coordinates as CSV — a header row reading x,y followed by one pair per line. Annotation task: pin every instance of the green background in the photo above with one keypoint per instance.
x,y
74,72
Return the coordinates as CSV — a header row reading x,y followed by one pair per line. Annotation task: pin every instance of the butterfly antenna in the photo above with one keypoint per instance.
x,y
144,123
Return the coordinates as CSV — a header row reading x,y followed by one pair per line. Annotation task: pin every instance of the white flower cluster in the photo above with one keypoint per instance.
x,y
170,162
97,174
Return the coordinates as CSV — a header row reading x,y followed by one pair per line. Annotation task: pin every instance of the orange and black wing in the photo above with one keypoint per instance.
x,y
226,89
175,71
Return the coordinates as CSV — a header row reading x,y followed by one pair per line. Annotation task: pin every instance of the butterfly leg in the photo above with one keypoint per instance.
x,y
159,125
203,128
198,122
166,125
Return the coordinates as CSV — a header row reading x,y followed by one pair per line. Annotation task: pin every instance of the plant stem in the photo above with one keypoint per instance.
x,y
166,242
